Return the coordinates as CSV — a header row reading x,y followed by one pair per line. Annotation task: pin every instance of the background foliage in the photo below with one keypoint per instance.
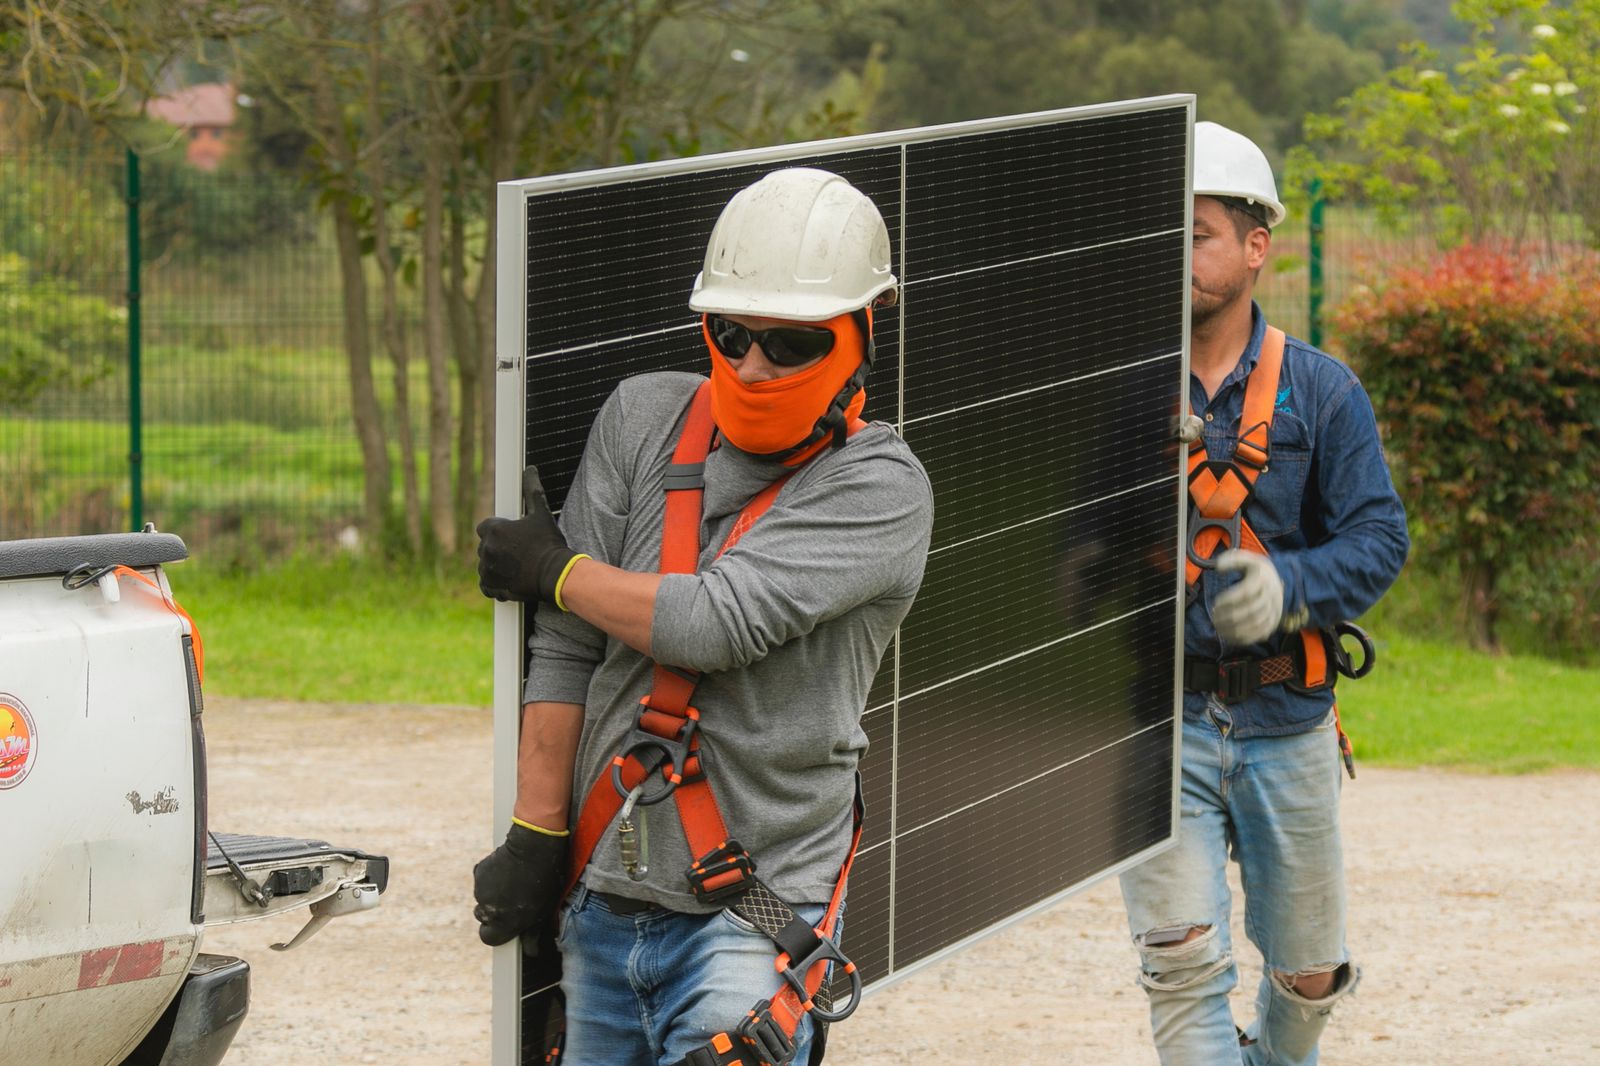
x,y
319,319
1485,372
1502,141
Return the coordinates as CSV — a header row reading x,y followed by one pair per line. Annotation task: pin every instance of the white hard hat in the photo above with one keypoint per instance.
x,y
1229,164
801,244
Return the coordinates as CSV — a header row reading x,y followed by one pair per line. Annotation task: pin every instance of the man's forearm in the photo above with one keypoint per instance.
x,y
545,757
618,602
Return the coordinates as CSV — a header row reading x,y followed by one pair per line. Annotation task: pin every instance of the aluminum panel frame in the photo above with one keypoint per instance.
x,y
510,448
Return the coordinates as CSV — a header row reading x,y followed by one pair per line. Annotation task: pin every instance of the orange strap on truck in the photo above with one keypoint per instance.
x,y
661,758
88,574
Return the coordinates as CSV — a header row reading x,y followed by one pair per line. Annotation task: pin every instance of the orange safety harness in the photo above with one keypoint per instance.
x,y
1218,490
665,745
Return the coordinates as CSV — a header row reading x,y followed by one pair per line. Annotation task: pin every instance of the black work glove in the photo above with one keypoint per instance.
x,y
523,558
518,886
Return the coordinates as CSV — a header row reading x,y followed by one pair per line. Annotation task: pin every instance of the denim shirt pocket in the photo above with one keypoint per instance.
x,y
1274,509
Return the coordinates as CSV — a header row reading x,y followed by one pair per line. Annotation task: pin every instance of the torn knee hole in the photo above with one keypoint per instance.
x,y
1180,956
1319,986
1172,935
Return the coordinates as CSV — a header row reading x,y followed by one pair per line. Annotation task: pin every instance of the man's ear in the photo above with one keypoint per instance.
x,y
1256,243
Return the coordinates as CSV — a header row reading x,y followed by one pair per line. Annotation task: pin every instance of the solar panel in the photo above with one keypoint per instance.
x,y
1024,726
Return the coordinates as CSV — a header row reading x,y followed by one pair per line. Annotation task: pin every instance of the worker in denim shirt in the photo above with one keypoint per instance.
x,y
1261,740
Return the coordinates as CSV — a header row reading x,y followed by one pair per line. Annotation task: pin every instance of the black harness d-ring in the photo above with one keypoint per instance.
x,y
1341,657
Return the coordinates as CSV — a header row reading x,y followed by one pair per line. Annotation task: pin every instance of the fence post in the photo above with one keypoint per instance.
x,y
135,385
1315,255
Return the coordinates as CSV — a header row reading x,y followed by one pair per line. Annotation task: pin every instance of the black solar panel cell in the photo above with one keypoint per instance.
x,y
980,864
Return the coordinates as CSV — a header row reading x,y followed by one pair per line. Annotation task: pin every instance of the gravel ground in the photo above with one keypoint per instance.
x,y
1474,910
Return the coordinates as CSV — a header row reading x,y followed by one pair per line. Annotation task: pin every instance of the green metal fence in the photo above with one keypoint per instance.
x,y
171,349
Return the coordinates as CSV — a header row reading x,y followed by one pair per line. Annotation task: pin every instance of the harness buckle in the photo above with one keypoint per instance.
x,y
725,871
1199,523
827,950
773,1047
669,754
1237,679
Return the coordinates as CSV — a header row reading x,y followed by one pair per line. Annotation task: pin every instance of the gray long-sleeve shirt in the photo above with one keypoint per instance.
x,y
788,628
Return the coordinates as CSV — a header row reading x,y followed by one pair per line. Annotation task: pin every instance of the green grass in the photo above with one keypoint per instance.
x,y
346,630
1429,703
354,631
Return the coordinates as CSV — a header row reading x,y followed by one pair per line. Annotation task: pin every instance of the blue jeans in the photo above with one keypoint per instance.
x,y
1273,802
646,989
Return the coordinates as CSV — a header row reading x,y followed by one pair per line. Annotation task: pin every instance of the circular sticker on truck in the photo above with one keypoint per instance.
x,y
17,741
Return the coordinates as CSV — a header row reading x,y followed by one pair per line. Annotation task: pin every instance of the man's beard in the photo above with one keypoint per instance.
x,y
1206,304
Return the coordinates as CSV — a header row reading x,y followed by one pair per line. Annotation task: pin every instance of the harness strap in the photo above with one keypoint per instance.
x,y
666,740
1219,488
1233,680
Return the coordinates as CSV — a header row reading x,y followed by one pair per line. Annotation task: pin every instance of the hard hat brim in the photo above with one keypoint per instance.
x,y
794,305
1276,212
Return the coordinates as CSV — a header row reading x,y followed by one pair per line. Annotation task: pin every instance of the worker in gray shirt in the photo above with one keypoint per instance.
x,y
731,563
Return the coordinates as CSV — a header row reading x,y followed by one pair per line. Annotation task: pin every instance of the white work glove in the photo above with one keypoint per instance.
x,y
1248,612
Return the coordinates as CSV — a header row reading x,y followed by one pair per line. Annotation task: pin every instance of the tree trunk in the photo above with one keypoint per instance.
x,y
464,341
364,408
441,513
393,329
1479,578
376,475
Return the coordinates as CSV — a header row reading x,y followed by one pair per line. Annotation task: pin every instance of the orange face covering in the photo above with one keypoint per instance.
x,y
772,417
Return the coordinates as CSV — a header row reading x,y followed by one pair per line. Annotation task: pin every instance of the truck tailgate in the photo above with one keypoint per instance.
x,y
249,877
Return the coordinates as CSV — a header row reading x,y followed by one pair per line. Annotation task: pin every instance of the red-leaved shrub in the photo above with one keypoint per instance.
x,y
1485,373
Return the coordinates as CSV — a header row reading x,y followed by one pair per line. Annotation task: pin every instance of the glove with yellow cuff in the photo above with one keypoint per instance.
x,y
518,885
525,558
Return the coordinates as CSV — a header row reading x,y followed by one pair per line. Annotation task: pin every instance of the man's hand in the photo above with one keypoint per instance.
x,y
523,558
518,886
1249,611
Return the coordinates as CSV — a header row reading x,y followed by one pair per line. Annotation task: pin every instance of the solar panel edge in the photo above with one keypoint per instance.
x,y
900,961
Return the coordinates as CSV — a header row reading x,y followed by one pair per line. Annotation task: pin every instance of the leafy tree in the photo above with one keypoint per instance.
x,y
1373,26
1253,64
1326,68
1504,142
97,58
53,335
411,113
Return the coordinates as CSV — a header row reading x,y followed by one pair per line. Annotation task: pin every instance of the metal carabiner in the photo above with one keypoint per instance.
x,y
633,841
84,574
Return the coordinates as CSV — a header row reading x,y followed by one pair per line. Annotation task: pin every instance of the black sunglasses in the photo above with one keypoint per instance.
x,y
785,346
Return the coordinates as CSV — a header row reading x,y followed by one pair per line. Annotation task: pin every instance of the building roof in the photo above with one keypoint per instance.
x,y
197,105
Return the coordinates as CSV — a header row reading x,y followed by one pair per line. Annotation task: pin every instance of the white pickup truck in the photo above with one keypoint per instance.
x,y
109,873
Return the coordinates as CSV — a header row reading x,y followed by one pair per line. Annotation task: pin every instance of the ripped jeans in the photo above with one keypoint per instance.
x,y
1273,803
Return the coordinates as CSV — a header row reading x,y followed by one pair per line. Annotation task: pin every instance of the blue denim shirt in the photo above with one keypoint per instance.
x,y
1325,508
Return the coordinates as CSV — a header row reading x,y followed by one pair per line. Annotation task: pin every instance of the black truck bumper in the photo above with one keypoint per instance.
x,y
200,1022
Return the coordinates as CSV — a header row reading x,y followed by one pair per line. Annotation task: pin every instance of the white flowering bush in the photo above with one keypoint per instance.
x,y
1500,144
